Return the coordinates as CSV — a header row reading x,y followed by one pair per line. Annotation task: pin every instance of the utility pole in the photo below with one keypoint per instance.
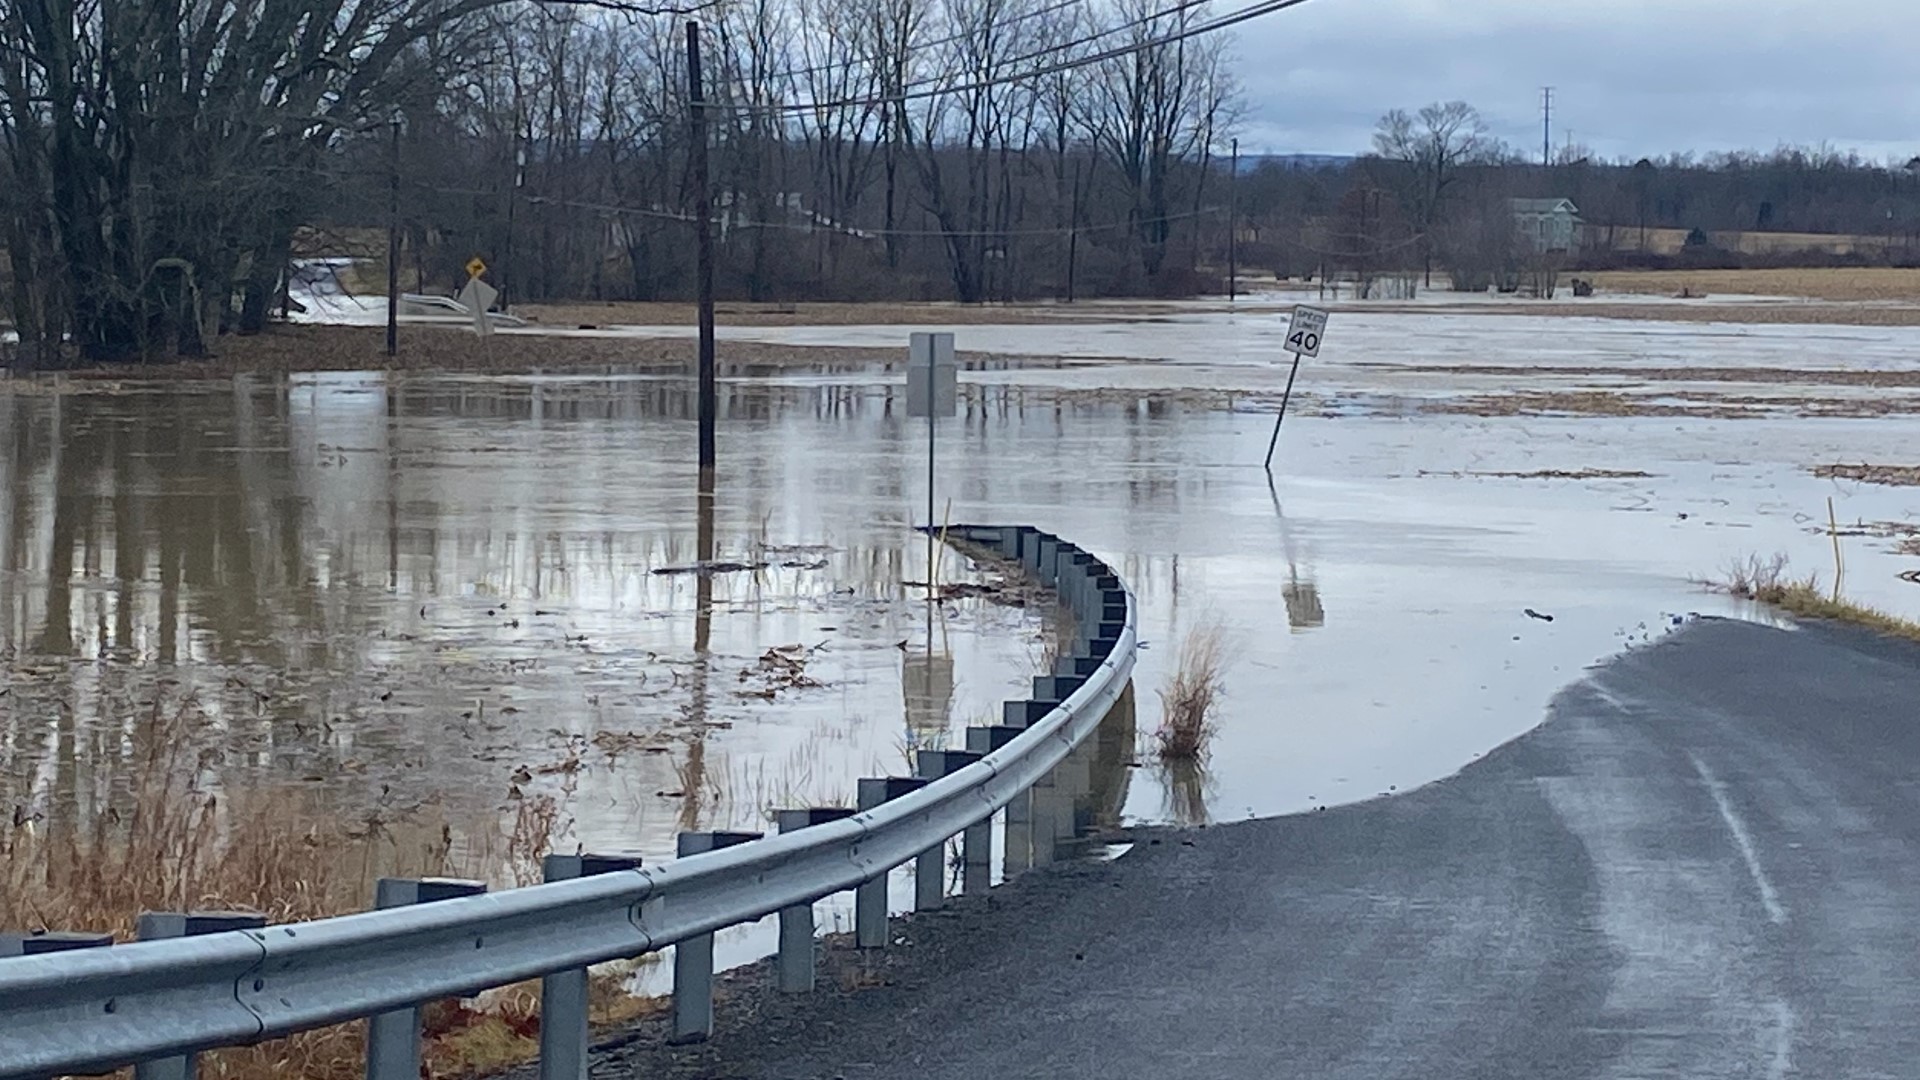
x,y
1546,125
703,246
1073,231
1233,224
504,274
393,242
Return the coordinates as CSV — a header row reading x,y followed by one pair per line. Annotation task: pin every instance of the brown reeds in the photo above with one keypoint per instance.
x,y
159,835
1192,690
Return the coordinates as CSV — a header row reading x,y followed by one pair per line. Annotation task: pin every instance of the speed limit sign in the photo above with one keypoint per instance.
x,y
1304,334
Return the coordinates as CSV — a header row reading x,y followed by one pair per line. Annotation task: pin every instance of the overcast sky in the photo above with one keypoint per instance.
x,y
1632,77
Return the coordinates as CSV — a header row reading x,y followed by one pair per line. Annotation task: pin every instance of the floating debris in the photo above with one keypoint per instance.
x,y
708,569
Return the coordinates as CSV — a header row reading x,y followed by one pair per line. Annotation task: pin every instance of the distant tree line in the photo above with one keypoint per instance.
x,y
164,161
1435,197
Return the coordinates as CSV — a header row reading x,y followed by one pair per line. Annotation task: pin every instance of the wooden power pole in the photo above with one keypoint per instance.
x,y
703,247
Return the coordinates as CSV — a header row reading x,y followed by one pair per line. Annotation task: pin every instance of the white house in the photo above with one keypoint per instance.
x,y
1547,224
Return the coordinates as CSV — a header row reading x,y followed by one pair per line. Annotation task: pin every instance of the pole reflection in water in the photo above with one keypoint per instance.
x,y
693,770
442,598
926,677
1300,595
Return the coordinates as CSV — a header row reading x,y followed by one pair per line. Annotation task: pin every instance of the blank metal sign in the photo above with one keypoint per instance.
x,y
931,376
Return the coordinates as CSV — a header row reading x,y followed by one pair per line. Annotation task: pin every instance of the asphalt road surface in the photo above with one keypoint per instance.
x,y
1706,863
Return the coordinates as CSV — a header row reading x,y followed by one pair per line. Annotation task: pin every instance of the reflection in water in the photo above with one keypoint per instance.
x,y
1302,598
1187,789
441,594
693,771
926,677
1114,746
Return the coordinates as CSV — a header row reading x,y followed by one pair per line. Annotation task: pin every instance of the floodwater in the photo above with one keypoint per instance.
x,y
412,588
448,598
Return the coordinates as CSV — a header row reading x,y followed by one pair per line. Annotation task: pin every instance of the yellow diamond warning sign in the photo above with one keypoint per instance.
x,y
475,267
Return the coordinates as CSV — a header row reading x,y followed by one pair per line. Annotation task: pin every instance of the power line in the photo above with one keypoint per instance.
x,y
845,230
1252,11
871,61
1049,50
626,8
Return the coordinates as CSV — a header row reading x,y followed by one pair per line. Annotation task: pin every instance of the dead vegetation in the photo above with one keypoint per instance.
x,y
1554,474
1755,577
1851,284
1192,690
783,667
1690,405
1765,580
454,348
1869,377
736,313
166,839
1890,475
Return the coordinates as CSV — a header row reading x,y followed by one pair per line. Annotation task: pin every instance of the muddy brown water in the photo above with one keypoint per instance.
x,y
433,598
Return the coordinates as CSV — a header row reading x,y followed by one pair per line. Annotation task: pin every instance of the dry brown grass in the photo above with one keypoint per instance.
x,y
1697,405
1890,475
452,348
1767,376
633,313
170,844
1192,690
1765,580
1749,578
1831,283
1553,474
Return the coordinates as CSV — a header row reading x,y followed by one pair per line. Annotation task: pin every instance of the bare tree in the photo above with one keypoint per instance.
x,y
1432,146
1155,108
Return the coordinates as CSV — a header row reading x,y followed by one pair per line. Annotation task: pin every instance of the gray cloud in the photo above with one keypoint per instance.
x,y
1633,77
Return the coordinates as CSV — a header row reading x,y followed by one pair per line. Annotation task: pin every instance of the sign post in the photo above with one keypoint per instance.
x,y
932,392
1304,335
478,296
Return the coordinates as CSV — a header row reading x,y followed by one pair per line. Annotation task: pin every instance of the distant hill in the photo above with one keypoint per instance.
x,y
1250,162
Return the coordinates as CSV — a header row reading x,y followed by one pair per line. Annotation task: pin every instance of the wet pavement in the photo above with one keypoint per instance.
x,y
1700,865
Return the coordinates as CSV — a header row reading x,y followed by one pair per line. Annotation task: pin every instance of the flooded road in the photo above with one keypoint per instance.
x,y
451,596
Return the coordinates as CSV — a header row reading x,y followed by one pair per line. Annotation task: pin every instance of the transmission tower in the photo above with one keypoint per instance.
x,y
1546,125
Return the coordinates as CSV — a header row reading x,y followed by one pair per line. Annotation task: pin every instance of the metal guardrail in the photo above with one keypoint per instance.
x,y
160,1001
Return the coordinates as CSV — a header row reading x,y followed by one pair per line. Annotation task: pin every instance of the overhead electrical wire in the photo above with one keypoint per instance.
x,y
873,61
854,231
1251,11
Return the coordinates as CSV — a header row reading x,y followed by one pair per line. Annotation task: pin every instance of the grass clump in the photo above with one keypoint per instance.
x,y
158,830
1766,581
1191,692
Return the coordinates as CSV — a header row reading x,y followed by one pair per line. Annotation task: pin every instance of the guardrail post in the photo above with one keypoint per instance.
x,y
1046,562
978,857
154,925
930,868
564,994
393,1038
1044,800
870,899
693,958
1075,779
793,971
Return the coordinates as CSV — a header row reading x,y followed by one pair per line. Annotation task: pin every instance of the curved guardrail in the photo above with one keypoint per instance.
x,y
160,1001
